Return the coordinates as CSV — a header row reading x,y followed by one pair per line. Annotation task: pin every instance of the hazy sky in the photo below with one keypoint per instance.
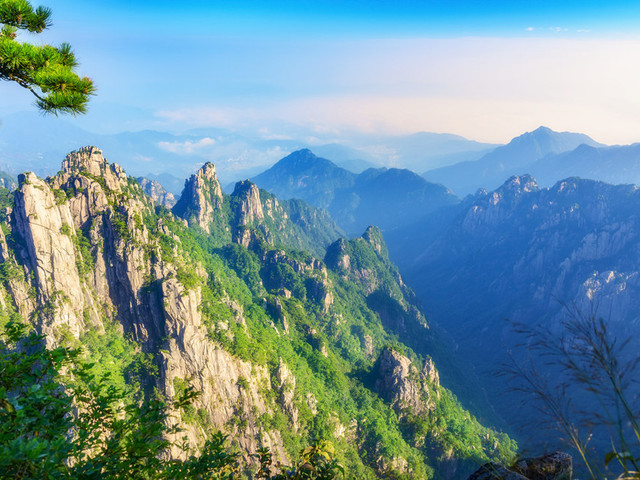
x,y
485,70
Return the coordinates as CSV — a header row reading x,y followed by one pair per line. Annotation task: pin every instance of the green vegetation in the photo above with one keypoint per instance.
x,y
45,394
112,438
44,70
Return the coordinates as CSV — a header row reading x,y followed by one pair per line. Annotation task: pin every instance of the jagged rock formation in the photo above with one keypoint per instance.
x,y
270,336
92,205
156,192
403,385
365,261
249,215
201,198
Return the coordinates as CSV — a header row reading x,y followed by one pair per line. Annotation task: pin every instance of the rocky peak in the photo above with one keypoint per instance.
x,y
201,198
249,206
89,160
157,192
517,185
400,383
373,236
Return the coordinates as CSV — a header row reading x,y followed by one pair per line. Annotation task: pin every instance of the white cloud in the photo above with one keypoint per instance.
x,y
187,147
484,88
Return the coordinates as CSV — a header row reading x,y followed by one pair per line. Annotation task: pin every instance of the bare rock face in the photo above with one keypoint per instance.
x,y
232,390
157,192
249,207
201,198
403,385
46,230
81,238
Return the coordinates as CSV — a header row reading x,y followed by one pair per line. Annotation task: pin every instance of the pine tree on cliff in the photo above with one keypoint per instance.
x,y
44,70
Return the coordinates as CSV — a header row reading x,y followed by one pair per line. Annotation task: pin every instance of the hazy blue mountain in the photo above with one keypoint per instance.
x,y
169,182
520,252
346,157
388,198
304,175
29,140
426,150
616,164
516,157
384,197
37,143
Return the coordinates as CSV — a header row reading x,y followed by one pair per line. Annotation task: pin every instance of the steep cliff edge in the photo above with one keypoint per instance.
x,y
281,346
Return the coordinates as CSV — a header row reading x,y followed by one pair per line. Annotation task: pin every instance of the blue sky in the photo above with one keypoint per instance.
x,y
485,70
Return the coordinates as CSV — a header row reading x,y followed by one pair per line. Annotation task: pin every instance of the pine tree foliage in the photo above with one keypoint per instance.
x,y
44,70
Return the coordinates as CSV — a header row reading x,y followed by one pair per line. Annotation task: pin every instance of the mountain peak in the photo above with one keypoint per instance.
x,y
208,170
550,141
373,236
542,129
89,159
201,197
303,158
304,175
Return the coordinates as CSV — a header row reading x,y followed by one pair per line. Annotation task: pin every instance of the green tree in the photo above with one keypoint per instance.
x,y
44,70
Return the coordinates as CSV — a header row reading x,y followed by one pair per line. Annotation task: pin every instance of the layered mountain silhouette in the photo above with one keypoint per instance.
x,y
515,158
615,164
386,197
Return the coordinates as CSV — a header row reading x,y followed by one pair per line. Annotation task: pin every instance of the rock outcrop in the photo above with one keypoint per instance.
x,y
88,256
201,199
407,388
156,192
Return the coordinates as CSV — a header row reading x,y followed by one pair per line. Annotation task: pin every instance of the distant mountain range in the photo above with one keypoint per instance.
x,y
515,158
616,164
29,140
384,197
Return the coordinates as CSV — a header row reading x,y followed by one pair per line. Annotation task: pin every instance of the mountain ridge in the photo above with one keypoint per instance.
x,y
377,196
495,167
281,345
